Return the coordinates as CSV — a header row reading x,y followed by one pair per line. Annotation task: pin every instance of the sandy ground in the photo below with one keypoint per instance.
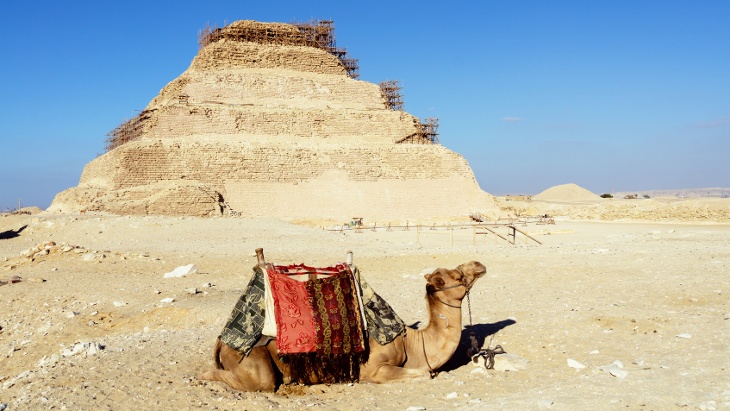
x,y
85,329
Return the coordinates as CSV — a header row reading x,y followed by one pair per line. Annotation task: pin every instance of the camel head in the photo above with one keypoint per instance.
x,y
451,281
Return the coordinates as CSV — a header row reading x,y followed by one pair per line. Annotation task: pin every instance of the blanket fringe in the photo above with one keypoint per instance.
x,y
313,368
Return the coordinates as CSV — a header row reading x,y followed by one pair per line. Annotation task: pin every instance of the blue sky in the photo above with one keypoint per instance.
x,y
620,95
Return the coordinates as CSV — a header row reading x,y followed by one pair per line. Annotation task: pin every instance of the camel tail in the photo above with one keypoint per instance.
x,y
217,354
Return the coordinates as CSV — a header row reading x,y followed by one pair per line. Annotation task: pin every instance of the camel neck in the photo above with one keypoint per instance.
x,y
439,340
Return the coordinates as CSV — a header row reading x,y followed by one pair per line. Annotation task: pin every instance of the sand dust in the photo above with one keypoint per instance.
x,y
86,328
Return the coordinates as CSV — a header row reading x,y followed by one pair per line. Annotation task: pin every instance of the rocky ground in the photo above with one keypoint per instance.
x,y
602,315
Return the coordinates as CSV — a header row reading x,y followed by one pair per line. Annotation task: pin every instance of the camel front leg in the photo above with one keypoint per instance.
x,y
382,373
386,363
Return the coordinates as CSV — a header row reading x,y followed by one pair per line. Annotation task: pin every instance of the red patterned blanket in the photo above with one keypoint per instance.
x,y
316,310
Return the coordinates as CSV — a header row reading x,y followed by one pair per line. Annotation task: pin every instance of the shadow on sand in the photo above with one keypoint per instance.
x,y
482,331
6,235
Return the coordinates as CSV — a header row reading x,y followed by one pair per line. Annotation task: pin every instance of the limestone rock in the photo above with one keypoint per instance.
x,y
182,271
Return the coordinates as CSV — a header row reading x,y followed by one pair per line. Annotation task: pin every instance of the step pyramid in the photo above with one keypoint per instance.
x,y
269,120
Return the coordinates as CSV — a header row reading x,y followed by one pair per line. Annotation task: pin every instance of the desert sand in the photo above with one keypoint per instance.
x,y
641,305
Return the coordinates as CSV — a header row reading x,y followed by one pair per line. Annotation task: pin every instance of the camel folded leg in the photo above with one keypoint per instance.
x,y
254,372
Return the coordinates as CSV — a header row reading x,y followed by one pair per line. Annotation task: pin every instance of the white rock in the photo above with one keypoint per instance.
x,y
451,395
119,303
415,408
182,271
167,300
478,370
707,405
48,361
89,257
85,348
575,364
510,362
684,335
615,369
594,352
618,373
192,291
545,403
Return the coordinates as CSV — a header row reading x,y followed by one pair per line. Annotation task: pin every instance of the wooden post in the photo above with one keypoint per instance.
x,y
260,257
418,234
529,236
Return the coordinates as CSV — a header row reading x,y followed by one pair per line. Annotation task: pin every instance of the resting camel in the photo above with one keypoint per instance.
x,y
413,354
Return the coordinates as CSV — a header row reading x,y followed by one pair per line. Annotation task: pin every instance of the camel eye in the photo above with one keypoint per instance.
x,y
438,282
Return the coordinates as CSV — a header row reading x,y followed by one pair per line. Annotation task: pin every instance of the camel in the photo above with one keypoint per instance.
x,y
413,354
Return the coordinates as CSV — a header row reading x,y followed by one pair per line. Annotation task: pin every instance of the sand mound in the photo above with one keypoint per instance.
x,y
566,193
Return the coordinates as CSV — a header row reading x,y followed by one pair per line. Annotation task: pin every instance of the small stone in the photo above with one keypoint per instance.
x,y
36,280
119,303
593,352
79,250
575,364
415,408
684,335
66,248
206,285
72,314
451,395
167,300
192,291
89,257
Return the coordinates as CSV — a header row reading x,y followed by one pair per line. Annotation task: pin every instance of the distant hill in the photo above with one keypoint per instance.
x,y
680,193
566,192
